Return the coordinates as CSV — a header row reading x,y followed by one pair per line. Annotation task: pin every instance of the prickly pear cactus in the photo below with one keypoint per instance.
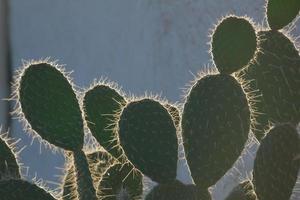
x,y
49,104
233,44
8,163
121,180
216,111
244,191
101,103
276,164
273,75
14,189
281,12
148,136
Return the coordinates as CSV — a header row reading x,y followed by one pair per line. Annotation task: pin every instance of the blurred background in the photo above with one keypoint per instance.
x,y
143,45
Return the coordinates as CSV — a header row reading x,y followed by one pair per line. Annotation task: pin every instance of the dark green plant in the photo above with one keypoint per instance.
x,y
276,164
281,12
9,166
273,75
101,104
233,44
49,104
17,189
148,136
216,111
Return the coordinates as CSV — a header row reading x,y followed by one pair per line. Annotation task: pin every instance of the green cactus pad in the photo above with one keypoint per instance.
x,y
233,44
244,191
281,12
215,127
50,106
121,181
8,163
175,191
275,73
19,189
148,136
275,166
101,104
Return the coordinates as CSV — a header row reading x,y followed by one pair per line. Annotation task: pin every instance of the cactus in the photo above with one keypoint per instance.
x,y
276,165
148,136
281,12
121,180
274,72
216,112
8,163
233,44
49,104
101,103
244,191
14,189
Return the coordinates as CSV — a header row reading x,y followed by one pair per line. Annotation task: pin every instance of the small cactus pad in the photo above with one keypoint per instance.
x,y
233,44
19,189
100,105
8,163
50,106
276,73
276,165
121,180
174,190
148,136
244,191
215,127
281,12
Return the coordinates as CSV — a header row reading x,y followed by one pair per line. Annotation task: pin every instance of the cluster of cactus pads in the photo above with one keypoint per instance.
x,y
255,88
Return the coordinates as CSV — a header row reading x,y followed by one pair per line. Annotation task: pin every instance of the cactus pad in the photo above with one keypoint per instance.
x,y
233,44
281,12
148,136
50,106
215,127
275,166
8,163
101,104
276,73
19,189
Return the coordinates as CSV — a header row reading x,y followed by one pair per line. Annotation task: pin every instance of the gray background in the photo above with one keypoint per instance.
x,y
144,45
